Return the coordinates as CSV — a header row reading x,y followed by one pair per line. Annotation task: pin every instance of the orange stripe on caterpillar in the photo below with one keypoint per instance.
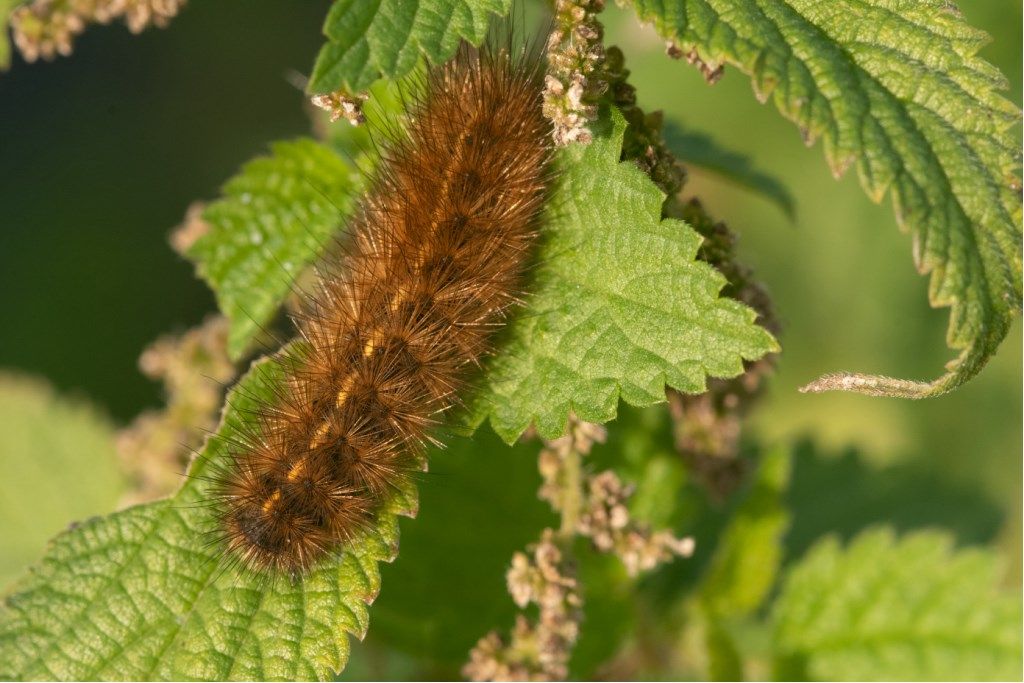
x,y
438,249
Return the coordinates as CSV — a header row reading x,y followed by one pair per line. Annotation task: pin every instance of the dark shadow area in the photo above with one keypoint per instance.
x,y
843,494
101,152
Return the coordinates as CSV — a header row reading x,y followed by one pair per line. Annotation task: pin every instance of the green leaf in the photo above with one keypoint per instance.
x,y
141,594
367,39
276,217
700,149
895,87
750,550
888,609
619,305
724,660
59,465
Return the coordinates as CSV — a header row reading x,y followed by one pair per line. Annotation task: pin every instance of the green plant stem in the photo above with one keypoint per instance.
x,y
572,497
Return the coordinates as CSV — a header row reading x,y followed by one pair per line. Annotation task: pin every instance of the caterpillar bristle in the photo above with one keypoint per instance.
x,y
397,319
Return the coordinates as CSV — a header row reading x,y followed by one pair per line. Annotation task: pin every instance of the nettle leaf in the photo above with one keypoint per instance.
x,y
619,305
367,39
142,594
276,217
888,609
895,87
700,149
51,447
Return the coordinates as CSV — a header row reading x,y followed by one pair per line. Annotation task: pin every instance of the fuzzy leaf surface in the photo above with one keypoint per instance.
x,y
368,39
276,217
896,88
619,305
50,446
896,609
143,595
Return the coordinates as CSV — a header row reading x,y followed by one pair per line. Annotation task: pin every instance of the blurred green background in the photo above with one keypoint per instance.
x,y
101,154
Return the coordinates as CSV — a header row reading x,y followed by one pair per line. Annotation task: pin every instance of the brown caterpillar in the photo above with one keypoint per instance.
x,y
393,324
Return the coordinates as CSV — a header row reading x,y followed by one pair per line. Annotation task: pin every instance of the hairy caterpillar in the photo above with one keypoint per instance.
x,y
394,322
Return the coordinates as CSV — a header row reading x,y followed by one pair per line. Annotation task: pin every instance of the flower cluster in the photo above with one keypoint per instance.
x,y
574,81
594,507
535,651
156,447
607,523
341,105
579,439
47,28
